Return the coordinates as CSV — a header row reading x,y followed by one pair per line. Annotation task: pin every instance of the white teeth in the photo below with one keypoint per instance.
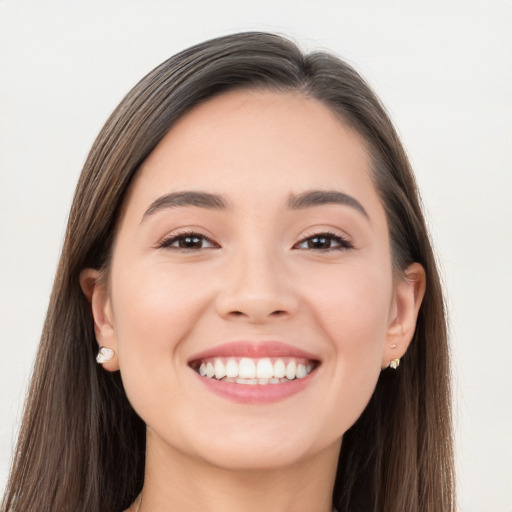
x,y
210,370
291,369
247,368
279,369
301,371
231,368
254,371
220,369
265,369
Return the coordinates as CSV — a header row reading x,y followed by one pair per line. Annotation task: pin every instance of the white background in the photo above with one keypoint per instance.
x,y
443,69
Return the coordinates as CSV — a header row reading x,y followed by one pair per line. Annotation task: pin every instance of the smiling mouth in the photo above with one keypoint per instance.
x,y
251,371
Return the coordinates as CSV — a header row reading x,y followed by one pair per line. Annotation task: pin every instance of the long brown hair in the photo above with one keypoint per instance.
x,y
81,446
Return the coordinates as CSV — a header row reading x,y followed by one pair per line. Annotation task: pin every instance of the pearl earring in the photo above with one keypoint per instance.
x,y
104,354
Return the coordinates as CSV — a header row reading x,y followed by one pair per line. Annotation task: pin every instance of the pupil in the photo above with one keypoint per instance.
x,y
190,241
319,242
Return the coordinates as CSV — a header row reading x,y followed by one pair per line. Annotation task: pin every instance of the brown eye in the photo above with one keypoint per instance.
x,y
188,241
324,242
319,242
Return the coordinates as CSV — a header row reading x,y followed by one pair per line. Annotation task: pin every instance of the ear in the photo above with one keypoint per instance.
x,y
408,295
95,289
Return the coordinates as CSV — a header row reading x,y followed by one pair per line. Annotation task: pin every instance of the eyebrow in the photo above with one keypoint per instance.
x,y
188,198
323,197
210,201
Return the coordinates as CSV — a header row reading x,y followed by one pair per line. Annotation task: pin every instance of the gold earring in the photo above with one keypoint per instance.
x,y
395,363
104,354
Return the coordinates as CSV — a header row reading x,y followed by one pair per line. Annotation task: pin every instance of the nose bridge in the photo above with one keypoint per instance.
x,y
255,286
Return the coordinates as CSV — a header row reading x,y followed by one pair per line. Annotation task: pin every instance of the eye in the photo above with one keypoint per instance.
x,y
324,242
188,241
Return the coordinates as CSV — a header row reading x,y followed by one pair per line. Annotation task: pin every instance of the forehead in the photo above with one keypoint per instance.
x,y
258,144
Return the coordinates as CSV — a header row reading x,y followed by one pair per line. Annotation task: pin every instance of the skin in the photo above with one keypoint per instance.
x,y
259,280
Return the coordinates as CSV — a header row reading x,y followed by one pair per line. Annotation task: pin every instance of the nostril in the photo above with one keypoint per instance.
x,y
276,313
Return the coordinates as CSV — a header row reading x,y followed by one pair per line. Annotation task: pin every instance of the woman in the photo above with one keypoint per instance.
x,y
245,266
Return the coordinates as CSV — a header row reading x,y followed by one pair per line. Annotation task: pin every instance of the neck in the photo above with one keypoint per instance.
x,y
175,482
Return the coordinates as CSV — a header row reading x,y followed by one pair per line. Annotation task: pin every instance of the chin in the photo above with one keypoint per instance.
x,y
255,458
263,448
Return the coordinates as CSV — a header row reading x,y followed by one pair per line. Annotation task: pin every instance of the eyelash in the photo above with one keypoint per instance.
x,y
343,243
176,237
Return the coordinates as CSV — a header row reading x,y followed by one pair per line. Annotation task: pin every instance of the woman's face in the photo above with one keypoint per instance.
x,y
252,242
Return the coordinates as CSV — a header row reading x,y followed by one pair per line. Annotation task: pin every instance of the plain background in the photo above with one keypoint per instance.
x,y
442,68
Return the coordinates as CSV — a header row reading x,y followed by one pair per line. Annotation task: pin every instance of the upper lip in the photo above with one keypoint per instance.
x,y
252,349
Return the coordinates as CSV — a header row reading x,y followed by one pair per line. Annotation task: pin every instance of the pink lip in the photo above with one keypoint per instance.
x,y
254,350
254,393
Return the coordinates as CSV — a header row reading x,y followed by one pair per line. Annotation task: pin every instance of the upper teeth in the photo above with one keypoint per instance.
x,y
248,368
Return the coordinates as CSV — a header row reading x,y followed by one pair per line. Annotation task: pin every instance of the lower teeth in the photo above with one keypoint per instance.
x,y
240,380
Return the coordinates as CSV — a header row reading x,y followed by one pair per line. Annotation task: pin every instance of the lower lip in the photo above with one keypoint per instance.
x,y
255,393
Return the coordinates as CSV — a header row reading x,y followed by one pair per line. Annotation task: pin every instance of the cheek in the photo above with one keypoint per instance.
x,y
155,304
352,308
352,303
155,308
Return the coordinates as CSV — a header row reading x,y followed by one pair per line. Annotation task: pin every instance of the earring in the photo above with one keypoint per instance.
x,y
104,354
395,363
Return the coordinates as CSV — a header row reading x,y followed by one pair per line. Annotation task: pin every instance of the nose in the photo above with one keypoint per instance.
x,y
256,289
